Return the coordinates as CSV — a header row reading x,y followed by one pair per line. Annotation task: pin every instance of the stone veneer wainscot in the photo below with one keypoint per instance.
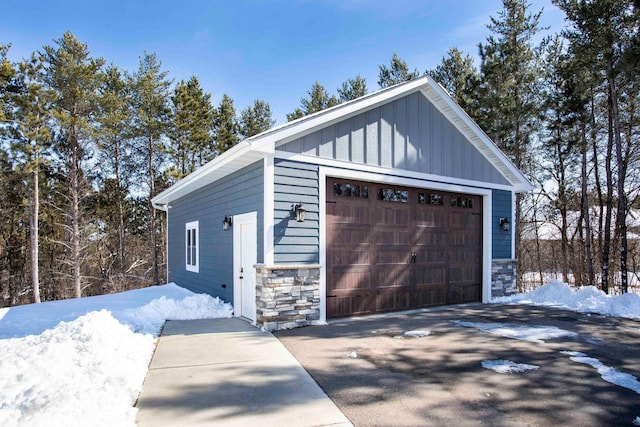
x,y
503,277
287,296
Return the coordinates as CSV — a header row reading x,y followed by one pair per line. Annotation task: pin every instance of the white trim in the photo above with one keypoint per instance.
x,y
194,267
513,226
486,193
389,172
238,221
268,210
487,245
322,243
166,241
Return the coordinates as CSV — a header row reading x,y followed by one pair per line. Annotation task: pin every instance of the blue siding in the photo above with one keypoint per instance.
x,y
408,133
501,208
238,193
296,242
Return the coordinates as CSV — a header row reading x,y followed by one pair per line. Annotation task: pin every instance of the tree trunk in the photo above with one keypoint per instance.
x,y
606,245
585,207
152,217
121,236
34,225
622,198
75,219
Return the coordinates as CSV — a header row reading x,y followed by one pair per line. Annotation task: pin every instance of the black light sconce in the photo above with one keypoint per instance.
x,y
227,222
505,224
299,212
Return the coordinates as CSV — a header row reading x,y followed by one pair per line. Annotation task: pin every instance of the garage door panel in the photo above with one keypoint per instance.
x,y
431,295
350,235
431,274
463,293
394,300
348,278
350,256
389,276
350,305
395,254
400,248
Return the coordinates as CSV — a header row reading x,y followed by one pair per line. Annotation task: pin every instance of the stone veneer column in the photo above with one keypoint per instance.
x,y
287,296
503,277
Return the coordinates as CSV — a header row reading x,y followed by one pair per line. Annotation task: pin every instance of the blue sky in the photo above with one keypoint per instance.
x,y
272,50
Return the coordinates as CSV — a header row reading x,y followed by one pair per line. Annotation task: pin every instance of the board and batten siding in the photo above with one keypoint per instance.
x,y
502,205
295,242
408,133
238,193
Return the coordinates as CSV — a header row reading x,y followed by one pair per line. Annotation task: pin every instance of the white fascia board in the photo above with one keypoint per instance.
x,y
395,176
470,129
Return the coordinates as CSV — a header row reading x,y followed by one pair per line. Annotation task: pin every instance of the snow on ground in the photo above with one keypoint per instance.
x,y
507,366
82,362
607,373
418,333
587,299
533,333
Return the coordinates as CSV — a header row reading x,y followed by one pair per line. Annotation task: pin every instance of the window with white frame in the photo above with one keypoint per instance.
x,y
192,247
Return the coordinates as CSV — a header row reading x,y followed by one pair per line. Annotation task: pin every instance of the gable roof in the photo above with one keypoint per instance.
x,y
257,147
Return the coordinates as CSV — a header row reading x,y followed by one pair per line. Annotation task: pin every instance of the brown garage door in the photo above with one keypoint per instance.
x,y
395,248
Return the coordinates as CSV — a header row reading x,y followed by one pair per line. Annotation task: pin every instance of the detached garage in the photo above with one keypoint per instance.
x,y
394,201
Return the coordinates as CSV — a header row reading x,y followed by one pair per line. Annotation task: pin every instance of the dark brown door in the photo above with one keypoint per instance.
x,y
393,248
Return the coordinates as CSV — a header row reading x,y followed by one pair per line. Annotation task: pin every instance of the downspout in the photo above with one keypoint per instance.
x,y
165,208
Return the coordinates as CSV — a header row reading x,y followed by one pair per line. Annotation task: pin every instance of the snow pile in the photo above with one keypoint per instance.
x,y
533,333
607,373
507,366
85,372
587,299
149,318
89,369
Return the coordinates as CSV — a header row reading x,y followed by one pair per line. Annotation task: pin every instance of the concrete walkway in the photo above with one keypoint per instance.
x,y
225,372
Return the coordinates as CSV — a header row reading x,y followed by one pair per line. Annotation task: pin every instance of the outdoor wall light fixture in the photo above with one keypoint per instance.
x,y
299,212
504,223
227,222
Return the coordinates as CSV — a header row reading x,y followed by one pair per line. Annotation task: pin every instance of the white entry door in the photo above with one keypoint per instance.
x,y
244,260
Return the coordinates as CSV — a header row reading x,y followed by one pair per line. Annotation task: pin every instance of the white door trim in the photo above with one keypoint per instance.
x,y
240,221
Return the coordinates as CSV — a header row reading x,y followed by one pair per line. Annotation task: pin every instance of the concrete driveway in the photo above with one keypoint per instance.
x,y
438,380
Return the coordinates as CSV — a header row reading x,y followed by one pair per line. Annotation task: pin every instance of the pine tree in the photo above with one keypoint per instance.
x,y
32,142
560,142
73,78
115,148
318,99
226,125
255,119
7,73
506,105
151,120
459,77
397,72
192,126
352,89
